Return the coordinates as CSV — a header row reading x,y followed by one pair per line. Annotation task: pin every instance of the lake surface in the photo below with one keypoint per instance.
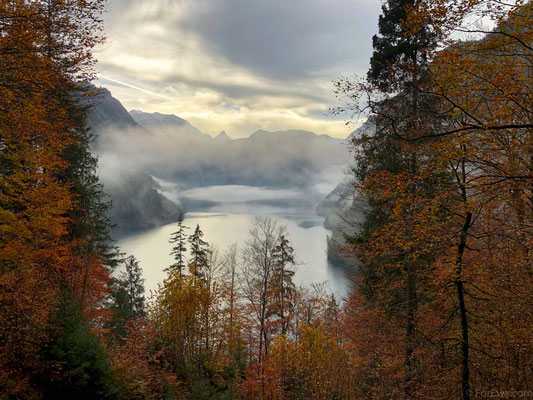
x,y
226,214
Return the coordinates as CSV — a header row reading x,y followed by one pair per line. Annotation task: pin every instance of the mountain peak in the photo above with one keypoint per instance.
x,y
157,118
222,135
163,121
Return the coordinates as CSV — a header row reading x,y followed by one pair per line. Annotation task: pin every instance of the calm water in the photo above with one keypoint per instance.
x,y
225,215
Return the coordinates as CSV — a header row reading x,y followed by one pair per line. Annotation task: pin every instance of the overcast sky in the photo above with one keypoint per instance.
x,y
237,65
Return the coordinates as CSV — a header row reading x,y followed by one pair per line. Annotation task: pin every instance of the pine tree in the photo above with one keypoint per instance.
x,y
199,253
74,364
178,251
398,51
402,113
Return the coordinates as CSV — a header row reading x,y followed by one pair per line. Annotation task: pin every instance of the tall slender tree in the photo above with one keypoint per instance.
x,y
398,66
179,239
282,284
199,254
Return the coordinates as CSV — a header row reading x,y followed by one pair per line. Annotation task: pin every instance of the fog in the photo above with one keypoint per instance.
x,y
273,159
220,183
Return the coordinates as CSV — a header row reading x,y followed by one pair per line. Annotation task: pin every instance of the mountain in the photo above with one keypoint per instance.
x,y
136,200
138,204
105,111
170,148
158,121
144,145
367,128
222,136
343,209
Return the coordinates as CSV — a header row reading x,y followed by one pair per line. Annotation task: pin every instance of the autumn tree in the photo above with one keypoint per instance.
x,y
45,50
138,367
177,319
446,215
232,312
258,270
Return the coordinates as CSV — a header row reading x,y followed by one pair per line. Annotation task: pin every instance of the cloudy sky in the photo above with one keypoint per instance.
x,y
237,65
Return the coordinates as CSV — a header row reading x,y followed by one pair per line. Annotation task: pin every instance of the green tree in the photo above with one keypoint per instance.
x,y
179,239
398,50
282,284
73,364
398,69
199,254
127,298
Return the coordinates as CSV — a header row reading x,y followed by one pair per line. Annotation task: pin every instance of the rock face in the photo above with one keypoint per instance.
x,y
344,211
105,112
138,204
136,200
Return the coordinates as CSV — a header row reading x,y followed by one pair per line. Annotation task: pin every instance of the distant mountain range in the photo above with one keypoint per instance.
x,y
171,148
139,144
157,121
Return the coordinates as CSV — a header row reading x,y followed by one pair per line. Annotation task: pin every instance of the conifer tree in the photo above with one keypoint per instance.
x,y
132,281
179,240
199,253
282,274
127,300
398,51
398,69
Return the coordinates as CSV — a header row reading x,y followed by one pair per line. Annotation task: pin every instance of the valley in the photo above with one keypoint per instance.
x,y
159,169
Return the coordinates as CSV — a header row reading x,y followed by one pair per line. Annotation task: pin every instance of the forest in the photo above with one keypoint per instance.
x,y
441,305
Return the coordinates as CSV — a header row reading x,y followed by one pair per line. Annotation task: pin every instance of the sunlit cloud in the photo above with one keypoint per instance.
x,y
236,65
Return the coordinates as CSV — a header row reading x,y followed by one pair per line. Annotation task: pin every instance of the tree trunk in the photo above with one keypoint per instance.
x,y
465,346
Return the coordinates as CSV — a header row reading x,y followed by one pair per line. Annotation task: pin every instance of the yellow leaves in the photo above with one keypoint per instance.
x,y
314,364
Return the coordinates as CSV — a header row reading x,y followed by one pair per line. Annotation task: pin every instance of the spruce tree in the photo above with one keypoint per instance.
x,y
132,281
90,221
398,69
282,274
74,364
199,253
179,240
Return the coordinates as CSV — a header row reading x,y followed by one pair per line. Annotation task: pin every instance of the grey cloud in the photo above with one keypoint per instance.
x,y
229,90
236,91
286,39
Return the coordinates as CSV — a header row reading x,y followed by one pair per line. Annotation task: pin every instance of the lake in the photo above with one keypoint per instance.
x,y
226,215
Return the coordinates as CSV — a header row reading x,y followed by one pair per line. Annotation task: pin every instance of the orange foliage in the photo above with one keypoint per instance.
x,y
138,366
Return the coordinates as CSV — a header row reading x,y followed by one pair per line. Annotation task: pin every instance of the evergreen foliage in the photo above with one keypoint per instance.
x,y
74,365
199,254
179,239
